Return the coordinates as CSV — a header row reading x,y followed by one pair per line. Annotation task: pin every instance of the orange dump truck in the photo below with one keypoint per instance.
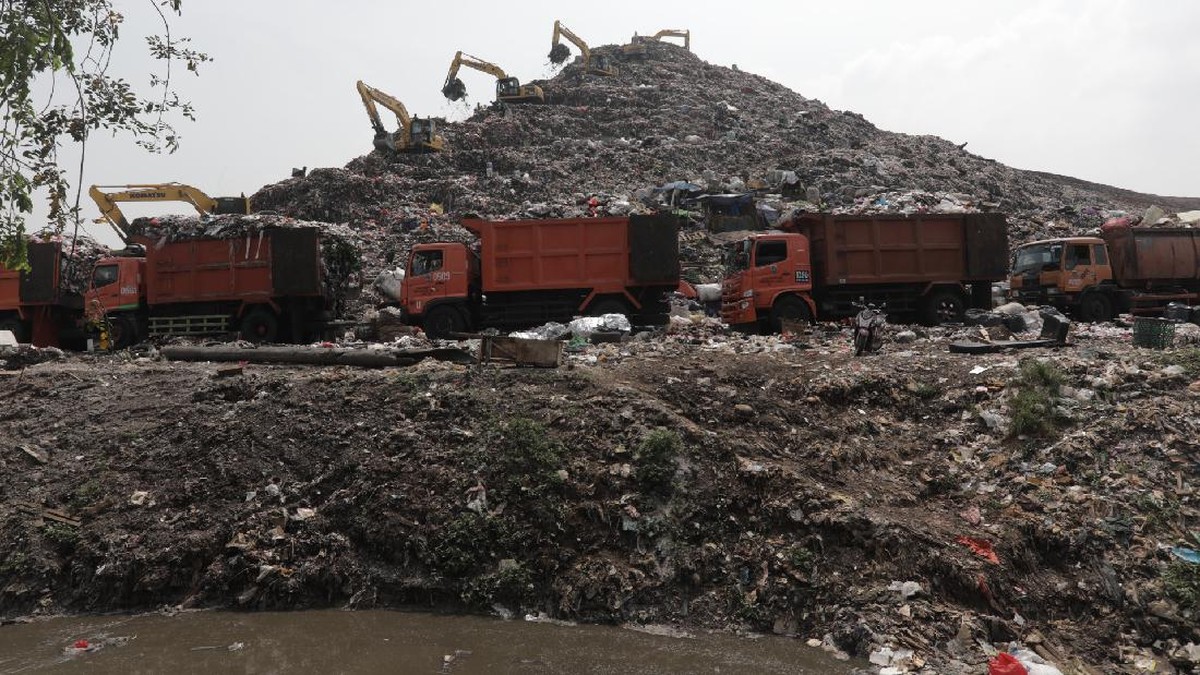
x,y
1126,269
35,304
524,273
269,286
930,267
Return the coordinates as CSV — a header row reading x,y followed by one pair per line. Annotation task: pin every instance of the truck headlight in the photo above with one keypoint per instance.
x,y
748,294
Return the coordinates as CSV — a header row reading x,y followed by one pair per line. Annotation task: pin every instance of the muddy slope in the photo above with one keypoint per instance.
x,y
784,490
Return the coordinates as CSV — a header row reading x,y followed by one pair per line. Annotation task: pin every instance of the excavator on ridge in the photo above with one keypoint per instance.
x,y
414,135
597,65
637,46
508,89
159,192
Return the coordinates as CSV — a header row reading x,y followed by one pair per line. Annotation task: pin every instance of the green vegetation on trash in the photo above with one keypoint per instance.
x,y
1182,583
655,458
1032,409
1188,358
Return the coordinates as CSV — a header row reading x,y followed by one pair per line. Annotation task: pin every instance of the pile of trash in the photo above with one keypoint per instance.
x,y
657,135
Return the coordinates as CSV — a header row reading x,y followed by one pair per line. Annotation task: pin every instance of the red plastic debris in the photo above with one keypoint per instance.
x,y
81,644
981,547
1006,664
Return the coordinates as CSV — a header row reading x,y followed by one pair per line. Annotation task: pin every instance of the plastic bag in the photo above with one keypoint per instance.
x,y
1006,664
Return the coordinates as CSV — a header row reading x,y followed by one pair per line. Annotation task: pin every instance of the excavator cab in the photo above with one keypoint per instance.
x,y
601,65
234,205
422,131
508,88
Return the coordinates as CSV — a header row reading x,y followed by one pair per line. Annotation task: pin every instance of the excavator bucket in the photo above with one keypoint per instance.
x,y
454,89
559,53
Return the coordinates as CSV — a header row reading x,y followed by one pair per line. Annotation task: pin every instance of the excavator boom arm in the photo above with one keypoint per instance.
x,y
668,32
370,96
461,59
159,192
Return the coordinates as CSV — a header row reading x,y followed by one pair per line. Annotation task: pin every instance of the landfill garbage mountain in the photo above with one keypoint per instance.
x,y
671,118
916,509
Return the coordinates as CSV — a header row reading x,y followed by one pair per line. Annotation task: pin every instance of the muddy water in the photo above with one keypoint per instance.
x,y
382,642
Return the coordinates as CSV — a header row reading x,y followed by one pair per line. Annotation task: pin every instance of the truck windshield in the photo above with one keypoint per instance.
x,y
737,256
1038,257
424,262
104,275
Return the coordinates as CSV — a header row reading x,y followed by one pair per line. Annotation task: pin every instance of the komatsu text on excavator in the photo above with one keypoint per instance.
x,y
595,64
414,135
508,89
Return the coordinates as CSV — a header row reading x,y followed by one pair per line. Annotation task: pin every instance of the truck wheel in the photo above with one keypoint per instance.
x,y
790,308
443,320
18,329
260,325
607,306
122,332
1095,307
944,306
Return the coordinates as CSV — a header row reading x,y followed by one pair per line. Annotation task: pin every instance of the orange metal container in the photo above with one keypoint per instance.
x,y
528,255
250,269
1144,257
885,249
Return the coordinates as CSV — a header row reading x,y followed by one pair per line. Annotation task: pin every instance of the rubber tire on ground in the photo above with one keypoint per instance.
x,y
1095,307
607,306
443,320
862,342
789,307
122,332
18,329
260,325
944,306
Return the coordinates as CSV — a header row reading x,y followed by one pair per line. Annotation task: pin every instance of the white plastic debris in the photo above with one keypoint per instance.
x,y
390,282
609,323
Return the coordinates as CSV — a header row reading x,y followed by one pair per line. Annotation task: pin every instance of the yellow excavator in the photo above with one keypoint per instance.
x,y
107,200
597,65
414,134
637,46
508,89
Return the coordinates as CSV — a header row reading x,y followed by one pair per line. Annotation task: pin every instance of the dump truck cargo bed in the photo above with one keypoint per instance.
x,y
275,263
887,249
531,255
1144,257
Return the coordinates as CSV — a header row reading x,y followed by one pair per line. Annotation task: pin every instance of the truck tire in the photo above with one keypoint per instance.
x,y
443,320
260,325
791,308
607,306
1095,307
944,306
14,324
122,332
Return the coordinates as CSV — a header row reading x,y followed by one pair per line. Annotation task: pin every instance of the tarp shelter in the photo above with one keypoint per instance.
x,y
731,212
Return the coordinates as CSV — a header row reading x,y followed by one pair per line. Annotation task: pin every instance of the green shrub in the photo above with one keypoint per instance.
x,y
1182,583
655,458
1032,409
510,585
63,537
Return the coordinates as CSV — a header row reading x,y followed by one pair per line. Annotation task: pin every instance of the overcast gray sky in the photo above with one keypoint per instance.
x,y
1104,90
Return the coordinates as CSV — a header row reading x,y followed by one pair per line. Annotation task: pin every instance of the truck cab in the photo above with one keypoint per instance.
x,y
1070,274
117,286
768,279
437,283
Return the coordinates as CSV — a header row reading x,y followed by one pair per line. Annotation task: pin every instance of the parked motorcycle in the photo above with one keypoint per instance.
x,y
868,327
